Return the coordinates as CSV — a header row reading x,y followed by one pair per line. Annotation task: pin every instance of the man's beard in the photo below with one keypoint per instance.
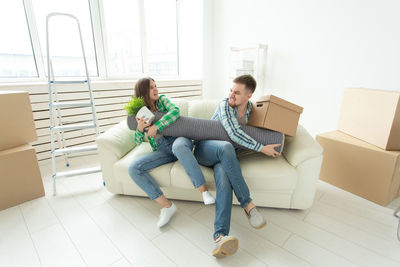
x,y
232,104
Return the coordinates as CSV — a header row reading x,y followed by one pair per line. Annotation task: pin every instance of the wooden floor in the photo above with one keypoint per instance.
x,y
85,225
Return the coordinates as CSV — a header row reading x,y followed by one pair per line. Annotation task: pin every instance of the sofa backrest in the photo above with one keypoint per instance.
x,y
203,109
182,105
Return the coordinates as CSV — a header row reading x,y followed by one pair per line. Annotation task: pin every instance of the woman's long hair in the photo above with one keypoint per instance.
x,y
142,89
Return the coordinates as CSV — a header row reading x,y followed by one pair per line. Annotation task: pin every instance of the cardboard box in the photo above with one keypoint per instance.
x,y
359,167
20,177
16,119
372,116
276,114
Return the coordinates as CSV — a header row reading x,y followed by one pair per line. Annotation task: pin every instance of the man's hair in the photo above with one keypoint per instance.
x,y
248,81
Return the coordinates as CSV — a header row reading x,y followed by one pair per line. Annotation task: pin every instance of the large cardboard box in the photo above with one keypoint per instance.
x,y
20,178
359,167
276,114
372,116
16,119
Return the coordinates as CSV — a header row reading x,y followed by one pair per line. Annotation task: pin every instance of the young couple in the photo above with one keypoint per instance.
x,y
232,112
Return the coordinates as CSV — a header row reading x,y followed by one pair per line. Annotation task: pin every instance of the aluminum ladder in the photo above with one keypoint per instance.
x,y
55,105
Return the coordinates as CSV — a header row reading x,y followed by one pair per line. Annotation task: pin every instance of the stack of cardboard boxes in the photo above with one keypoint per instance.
x,y
20,178
363,156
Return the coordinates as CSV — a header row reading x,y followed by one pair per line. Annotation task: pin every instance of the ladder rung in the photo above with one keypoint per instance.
x,y
75,149
73,127
68,82
77,172
72,104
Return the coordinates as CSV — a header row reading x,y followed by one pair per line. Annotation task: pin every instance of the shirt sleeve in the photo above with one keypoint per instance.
x,y
228,120
170,117
138,137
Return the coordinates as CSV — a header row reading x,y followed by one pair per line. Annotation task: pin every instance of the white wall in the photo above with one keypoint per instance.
x,y
316,49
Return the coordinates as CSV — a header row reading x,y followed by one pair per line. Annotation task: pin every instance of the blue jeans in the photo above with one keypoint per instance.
x,y
182,149
139,168
169,149
228,176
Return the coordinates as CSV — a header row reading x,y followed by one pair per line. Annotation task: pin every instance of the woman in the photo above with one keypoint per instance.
x,y
162,147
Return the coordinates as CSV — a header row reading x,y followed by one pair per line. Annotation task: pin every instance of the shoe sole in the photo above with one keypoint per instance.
x,y
228,247
261,226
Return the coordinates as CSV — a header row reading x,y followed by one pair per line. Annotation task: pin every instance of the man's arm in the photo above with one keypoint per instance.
x,y
226,116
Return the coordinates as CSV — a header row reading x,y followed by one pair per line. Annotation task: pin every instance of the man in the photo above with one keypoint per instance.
x,y
221,155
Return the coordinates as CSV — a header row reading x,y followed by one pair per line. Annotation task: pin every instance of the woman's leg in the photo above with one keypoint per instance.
x,y
182,149
138,170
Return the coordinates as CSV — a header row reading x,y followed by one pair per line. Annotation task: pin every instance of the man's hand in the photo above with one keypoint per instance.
x,y
270,151
152,131
142,123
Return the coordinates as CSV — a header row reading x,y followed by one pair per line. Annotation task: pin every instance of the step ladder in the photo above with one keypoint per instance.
x,y
56,105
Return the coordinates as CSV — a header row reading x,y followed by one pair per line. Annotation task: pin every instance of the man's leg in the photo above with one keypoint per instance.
x,y
223,207
211,152
225,245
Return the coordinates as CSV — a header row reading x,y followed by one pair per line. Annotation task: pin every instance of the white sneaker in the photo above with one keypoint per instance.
x,y
166,215
256,219
226,246
208,198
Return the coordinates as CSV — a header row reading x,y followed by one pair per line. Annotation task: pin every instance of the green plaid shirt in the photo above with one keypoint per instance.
x,y
163,105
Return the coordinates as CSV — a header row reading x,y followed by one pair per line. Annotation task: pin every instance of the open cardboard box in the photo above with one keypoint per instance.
x,y
274,113
372,115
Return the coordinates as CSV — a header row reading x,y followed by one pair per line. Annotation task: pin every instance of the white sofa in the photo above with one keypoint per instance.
x,y
288,181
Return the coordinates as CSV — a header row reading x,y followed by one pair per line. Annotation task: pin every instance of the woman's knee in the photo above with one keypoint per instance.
x,y
134,169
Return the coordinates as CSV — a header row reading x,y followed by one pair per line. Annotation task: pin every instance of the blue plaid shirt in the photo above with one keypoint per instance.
x,y
227,115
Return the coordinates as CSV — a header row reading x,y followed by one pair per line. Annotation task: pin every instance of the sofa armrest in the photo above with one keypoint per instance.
x,y
112,145
117,140
301,147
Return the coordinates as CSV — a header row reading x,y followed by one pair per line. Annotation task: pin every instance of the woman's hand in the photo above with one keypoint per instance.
x,y
270,151
142,123
152,131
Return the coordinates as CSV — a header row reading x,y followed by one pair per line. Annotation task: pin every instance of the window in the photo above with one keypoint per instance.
x,y
122,38
16,55
141,37
123,45
64,39
161,34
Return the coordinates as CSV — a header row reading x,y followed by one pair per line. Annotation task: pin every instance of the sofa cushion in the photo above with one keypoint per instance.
x,y
180,179
160,174
262,174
